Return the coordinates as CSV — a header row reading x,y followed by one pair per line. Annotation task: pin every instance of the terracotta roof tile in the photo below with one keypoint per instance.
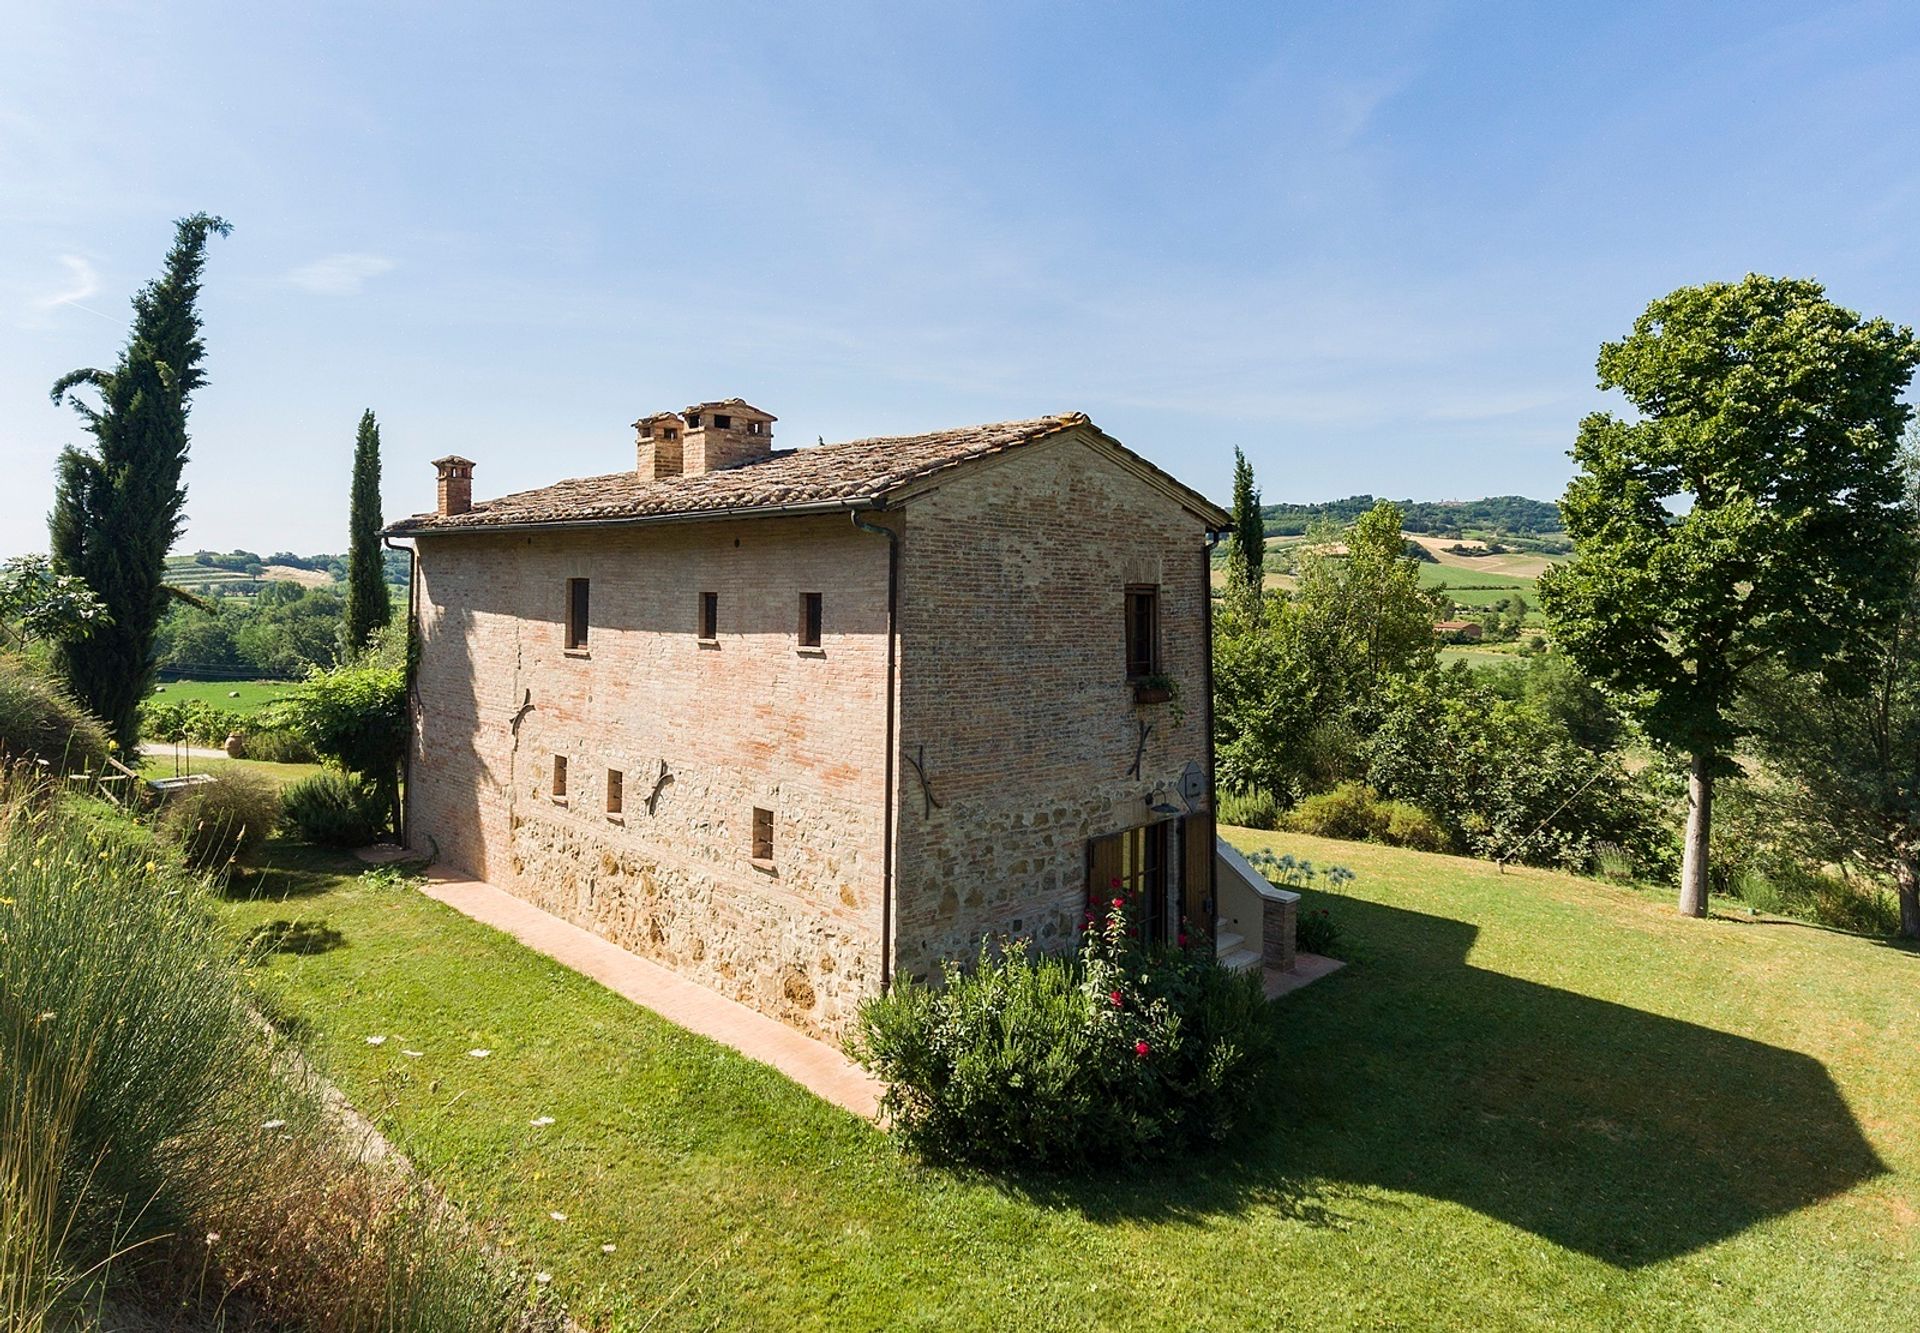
x,y
826,475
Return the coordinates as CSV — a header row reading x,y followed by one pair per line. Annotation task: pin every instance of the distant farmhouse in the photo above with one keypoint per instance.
x,y
793,722
1459,631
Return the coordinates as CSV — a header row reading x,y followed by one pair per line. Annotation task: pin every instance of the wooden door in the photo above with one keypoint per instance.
x,y
1196,880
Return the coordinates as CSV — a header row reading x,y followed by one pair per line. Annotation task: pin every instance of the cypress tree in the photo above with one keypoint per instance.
x,y
368,606
1247,544
118,508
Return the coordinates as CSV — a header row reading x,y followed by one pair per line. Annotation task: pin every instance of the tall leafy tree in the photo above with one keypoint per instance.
x,y
1852,760
1295,690
117,508
1750,513
1247,543
368,605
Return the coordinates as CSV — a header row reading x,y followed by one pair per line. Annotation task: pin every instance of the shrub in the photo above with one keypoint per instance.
x,y
1250,809
1355,812
356,714
336,810
188,721
278,745
1409,826
1349,811
41,723
1315,931
216,822
1033,1061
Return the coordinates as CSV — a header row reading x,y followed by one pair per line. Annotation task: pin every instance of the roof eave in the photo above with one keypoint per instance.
x,y
405,528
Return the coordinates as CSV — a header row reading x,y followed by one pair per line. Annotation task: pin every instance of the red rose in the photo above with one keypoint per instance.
x,y
1117,998
1119,902
1114,883
1141,1049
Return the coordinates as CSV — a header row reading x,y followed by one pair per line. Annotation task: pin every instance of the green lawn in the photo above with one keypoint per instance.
x,y
157,761
1533,1101
253,694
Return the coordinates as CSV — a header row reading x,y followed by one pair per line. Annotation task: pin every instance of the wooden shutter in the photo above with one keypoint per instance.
x,y
1103,867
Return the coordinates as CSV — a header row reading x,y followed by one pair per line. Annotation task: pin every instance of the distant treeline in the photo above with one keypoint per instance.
x,y
1514,514
253,564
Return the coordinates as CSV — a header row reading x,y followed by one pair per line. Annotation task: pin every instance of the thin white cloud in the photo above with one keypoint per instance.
x,y
339,275
82,283
1485,407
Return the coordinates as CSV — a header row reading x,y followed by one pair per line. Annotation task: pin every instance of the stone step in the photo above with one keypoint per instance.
x,y
1226,942
1241,960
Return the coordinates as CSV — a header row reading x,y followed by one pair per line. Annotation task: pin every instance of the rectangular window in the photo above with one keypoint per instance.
x,y
762,834
559,777
576,613
1143,631
616,791
709,615
809,620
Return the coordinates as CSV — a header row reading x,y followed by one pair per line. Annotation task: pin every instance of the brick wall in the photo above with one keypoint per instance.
x,y
1013,683
1012,695
749,721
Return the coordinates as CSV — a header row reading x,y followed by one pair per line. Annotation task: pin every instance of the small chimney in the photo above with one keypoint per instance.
x,y
723,435
657,445
456,484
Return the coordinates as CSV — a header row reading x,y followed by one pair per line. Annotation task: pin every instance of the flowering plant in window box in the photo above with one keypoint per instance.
x,y
1158,688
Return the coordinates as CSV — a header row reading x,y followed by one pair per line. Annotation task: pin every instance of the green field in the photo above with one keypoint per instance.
x,y
1477,657
1532,1101
1496,585
253,694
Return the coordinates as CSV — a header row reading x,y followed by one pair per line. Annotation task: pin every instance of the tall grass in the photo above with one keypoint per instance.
x,y
38,1104
146,1135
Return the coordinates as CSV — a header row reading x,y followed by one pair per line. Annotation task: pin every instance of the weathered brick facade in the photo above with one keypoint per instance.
x,y
1013,679
1010,695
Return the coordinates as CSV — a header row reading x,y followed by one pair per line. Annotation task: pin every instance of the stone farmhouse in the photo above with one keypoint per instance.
x,y
795,722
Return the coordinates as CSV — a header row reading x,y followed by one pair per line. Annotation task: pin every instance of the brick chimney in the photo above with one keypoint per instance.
x,y
722,435
657,445
456,484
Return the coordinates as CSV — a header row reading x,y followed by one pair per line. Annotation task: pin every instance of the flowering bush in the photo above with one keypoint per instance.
x,y
1116,1053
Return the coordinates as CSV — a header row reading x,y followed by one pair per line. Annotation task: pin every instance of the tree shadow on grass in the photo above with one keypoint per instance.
x,y
1622,1134
287,870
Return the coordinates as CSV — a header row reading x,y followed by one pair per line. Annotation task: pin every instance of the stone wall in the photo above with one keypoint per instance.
x,y
750,720
1012,698
1014,694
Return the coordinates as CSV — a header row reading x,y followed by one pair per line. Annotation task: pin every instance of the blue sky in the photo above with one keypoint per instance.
x,y
1377,246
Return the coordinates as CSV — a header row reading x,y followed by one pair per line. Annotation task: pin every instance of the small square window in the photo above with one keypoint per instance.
x,y
709,615
809,620
616,791
1143,631
559,777
762,834
576,613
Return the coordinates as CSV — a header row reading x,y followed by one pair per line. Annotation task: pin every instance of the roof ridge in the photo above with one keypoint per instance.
x,y
845,474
